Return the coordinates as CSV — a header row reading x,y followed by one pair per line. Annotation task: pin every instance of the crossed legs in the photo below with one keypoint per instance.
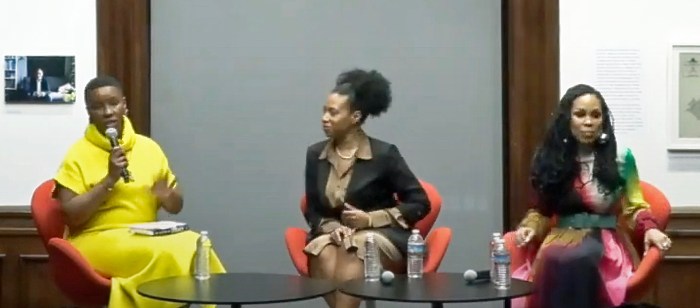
x,y
337,264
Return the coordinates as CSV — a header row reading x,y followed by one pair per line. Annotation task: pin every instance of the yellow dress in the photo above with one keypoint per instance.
x,y
105,240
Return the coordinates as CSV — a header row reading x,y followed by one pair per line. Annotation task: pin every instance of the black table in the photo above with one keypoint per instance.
x,y
436,289
236,289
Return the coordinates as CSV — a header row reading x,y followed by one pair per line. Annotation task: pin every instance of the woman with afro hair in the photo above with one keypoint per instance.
x,y
581,176
356,184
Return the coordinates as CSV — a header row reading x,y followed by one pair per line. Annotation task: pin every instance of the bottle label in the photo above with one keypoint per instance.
x,y
416,248
501,259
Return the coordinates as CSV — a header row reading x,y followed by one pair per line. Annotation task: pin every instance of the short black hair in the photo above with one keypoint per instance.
x,y
102,81
367,91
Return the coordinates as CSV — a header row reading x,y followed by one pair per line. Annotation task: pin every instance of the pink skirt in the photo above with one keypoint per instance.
x,y
605,286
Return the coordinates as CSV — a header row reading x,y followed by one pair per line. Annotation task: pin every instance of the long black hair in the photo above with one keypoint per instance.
x,y
555,165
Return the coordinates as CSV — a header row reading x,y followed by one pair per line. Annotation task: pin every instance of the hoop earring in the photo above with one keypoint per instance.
x,y
603,139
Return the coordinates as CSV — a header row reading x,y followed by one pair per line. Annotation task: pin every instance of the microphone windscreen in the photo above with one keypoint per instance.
x,y
470,275
387,277
112,135
111,132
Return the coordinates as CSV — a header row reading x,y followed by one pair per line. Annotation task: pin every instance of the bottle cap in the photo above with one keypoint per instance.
x,y
415,231
204,232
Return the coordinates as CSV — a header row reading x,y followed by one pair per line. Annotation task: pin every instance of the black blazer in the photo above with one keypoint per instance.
x,y
372,187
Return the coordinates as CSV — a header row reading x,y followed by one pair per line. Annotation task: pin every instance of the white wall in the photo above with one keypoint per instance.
x,y
34,138
647,29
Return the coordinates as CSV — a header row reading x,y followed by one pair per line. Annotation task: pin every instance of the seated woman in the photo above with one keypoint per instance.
x,y
98,206
352,185
580,175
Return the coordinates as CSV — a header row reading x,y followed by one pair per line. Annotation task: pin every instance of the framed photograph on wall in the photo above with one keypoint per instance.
x,y
684,98
46,80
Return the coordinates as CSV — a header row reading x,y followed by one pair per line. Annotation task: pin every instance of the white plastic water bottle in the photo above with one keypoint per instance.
x,y
201,264
494,237
373,266
416,253
501,262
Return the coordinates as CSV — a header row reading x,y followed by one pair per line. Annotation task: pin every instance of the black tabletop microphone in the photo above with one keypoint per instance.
x,y
113,135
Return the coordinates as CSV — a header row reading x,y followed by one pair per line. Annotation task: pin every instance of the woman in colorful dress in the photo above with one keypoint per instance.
x,y
582,177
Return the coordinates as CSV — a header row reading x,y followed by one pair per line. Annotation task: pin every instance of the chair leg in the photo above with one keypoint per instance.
x,y
370,303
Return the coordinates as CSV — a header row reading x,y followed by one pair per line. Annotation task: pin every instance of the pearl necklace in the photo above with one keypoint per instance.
x,y
345,157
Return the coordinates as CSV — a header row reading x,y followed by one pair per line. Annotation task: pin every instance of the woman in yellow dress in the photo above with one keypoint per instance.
x,y
99,205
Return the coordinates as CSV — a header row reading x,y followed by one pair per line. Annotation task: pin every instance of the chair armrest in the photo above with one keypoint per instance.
x,y
436,245
74,276
295,239
518,255
644,277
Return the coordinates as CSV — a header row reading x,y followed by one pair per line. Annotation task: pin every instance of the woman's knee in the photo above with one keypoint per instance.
x,y
328,254
348,266
347,257
350,258
325,260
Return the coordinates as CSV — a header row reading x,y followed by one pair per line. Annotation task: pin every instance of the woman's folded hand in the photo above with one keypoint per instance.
x,y
355,218
340,233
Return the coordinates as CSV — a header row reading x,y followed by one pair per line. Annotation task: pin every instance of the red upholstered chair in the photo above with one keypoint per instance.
x,y
436,241
645,274
70,271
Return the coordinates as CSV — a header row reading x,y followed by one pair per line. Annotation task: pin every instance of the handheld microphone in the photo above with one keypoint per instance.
x,y
112,135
